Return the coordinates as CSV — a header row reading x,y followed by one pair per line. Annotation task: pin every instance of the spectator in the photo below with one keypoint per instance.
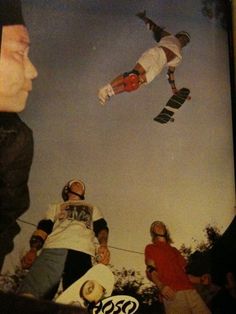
x,y
66,237
224,300
166,269
16,141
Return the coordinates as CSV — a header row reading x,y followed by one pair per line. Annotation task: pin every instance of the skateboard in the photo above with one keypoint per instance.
x,y
173,104
99,273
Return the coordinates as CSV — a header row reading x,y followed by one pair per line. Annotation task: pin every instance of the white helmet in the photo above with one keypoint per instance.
x,y
67,189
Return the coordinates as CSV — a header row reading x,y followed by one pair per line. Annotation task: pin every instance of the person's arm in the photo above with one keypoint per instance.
x,y
204,279
152,275
101,232
36,242
103,237
158,31
171,79
38,238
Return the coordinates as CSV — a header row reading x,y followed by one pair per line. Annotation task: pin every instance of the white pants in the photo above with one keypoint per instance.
x,y
186,302
153,61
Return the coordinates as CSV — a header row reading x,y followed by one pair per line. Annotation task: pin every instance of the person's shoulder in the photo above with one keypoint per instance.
x,y
149,246
174,248
54,204
169,37
164,33
149,250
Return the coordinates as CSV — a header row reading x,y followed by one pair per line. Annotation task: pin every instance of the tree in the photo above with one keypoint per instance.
x,y
218,10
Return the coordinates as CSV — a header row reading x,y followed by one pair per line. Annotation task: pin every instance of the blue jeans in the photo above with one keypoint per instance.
x,y
45,274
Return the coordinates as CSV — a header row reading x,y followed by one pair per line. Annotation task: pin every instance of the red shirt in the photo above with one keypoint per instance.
x,y
170,265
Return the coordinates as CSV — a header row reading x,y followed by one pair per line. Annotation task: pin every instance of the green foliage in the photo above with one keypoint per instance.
x,y
131,282
10,282
212,234
216,9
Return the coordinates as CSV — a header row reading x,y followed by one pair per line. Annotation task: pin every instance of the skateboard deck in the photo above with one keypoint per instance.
x,y
173,104
100,273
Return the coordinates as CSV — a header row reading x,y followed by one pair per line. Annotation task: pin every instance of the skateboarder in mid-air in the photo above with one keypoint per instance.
x,y
166,53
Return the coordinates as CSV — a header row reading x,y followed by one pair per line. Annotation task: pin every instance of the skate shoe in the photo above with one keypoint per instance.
x,y
105,93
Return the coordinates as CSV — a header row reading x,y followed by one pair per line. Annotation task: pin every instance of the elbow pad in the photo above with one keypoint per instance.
x,y
131,80
99,225
150,269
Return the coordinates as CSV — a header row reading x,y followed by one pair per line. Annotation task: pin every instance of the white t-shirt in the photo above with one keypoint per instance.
x,y
171,42
73,226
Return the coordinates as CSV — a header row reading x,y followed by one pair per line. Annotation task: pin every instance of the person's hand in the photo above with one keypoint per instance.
x,y
29,258
205,279
141,15
168,293
103,255
151,26
174,90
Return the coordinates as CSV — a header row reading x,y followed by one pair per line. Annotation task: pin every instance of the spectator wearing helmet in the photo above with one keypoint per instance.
x,y
66,236
167,53
165,267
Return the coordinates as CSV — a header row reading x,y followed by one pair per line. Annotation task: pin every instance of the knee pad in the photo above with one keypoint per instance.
x,y
131,80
